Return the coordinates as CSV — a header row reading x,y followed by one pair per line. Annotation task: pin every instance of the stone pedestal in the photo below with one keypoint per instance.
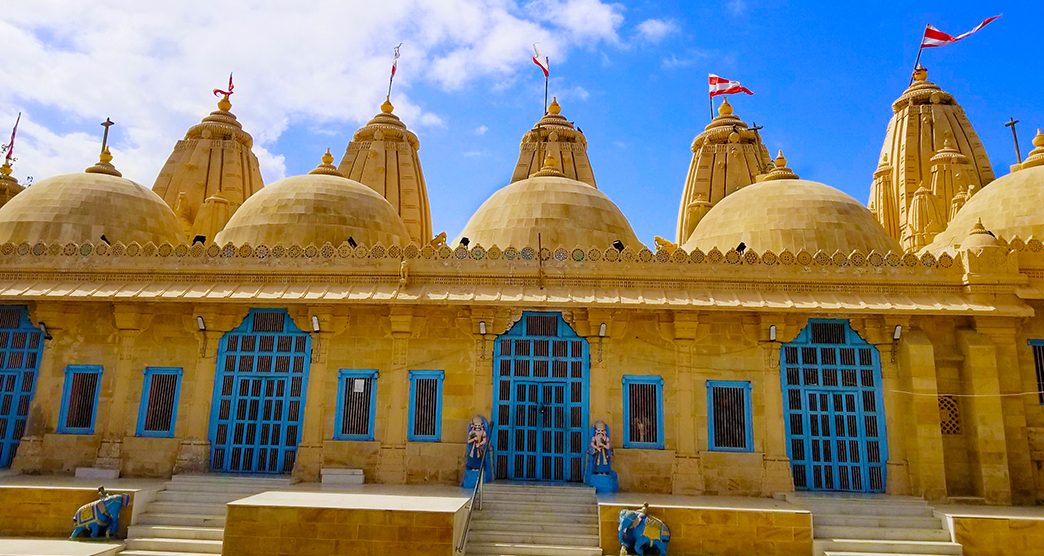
x,y
109,454
193,456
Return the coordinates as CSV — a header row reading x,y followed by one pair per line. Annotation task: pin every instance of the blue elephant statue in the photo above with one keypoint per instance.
x,y
101,517
643,534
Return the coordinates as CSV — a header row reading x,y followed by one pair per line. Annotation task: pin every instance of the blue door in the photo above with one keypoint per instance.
x,y
21,346
540,400
259,395
833,407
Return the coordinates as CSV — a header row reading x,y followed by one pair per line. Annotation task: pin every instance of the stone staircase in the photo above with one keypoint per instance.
x,y
187,518
868,525
520,519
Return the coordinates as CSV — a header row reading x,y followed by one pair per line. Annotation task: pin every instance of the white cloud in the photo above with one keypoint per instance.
x,y
736,7
150,67
655,30
481,130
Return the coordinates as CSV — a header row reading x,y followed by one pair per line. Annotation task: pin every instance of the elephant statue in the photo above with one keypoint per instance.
x,y
100,516
643,534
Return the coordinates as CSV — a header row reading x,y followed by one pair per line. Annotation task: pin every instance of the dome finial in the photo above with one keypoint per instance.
x,y
104,165
326,167
920,73
5,172
225,104
1036,156
725,109
550,167
387,106
780,172
781,161
554,109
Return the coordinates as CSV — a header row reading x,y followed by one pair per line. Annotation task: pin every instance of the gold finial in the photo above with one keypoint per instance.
x,y
920,73
1036,156
326,167
781,161
224,104
104,165
725,109
1038,139
780,172
5,172
550,167
978,228
554,109
386,106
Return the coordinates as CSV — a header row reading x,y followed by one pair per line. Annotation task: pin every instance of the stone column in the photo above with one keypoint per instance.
x,y
320,389
921,427
688,473
778,475
392,467
984,416
121,389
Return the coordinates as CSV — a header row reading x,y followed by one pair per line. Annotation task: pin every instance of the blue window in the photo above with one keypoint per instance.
x,y
159,402
1038,365
425,423
356,404
728,404
643,411
79,399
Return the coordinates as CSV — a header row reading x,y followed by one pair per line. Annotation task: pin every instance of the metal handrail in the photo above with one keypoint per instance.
x,y
476,500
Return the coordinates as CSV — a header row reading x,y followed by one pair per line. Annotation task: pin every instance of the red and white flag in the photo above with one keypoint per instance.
x,y
230,87
10,146
542,61
722,86
395,60
934,37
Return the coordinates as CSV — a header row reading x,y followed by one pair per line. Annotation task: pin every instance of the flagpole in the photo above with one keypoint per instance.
x,y
710,104
545,93
920,49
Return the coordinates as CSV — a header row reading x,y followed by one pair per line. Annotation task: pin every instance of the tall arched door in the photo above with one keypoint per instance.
x,y
541,392
834,409
21,346
259,394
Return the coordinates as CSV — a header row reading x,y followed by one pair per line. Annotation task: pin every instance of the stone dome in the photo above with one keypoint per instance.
x,y
565,212
1010,206
790,214
86,206
321,206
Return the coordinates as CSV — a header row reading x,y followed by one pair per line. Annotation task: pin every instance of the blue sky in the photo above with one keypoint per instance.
x,y
632,75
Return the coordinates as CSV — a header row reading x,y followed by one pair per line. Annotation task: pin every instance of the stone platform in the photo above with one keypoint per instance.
x,y
56,547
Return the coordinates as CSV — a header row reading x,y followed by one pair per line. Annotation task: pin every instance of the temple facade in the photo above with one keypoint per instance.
x,y
789,338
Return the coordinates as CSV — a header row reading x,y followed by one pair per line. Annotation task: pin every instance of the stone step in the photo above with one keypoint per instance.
x,y
851,497
522,488
175,545
176,532
879,533
512,525
867,508
546,537
886,547
538,506
536,496
508,549
200,496
846,553
587,518
208,508
158,553
234,478
232,488
184,520
875,521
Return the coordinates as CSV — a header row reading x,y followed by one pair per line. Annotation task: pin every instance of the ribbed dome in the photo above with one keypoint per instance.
x,y
314,209
83,207
567,213
791,214
1010,206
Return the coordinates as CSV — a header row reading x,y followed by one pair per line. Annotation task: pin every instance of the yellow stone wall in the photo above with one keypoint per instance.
x,y
48,511
720,531
986,536
293,531
991,459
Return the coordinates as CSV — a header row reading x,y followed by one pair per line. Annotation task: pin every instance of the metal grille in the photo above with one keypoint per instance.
x,y
160,403
642,403
949,414
21,345
729,408
258,410
1038,362
357,393
540,400
425,406
80,404
834,415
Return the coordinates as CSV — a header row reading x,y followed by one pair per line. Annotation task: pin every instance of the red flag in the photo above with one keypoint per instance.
x,y
230,87
934,37
722,86
395,60
10,146
543,62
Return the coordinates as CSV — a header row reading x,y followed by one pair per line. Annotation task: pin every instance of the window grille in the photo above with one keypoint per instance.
x,y
730,420
828,333
79,399
10,317
949,415
1038,362
425,423
268,321
159,402
542,325
356,404
643,411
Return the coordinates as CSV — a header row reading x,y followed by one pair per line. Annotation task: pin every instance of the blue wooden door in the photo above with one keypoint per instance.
x,y
259,395
21,346
833,409
540,399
